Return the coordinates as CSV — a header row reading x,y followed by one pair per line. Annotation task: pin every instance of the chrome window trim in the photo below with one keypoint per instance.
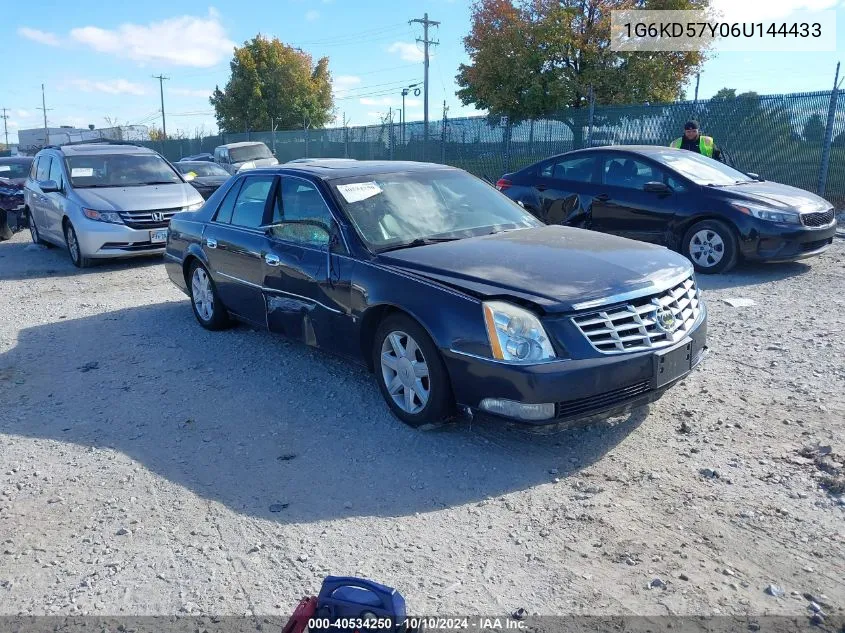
x,y
633,294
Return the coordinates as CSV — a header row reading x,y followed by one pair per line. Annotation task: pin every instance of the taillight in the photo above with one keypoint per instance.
x,y
503,184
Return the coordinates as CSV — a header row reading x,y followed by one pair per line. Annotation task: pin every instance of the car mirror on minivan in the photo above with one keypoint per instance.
x,y
48,186
656,187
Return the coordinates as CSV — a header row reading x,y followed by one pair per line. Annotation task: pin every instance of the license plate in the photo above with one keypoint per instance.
x,y
672,364
158,236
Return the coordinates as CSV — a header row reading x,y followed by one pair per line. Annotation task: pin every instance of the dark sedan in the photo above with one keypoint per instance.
x,y
205,177
13,173
706,210
457,298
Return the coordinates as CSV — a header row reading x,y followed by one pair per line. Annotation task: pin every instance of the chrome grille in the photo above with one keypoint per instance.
x,y
817,219
144,219
644,323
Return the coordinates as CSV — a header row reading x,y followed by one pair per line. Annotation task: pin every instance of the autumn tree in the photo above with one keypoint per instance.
x,y
534,58
814,130
270,80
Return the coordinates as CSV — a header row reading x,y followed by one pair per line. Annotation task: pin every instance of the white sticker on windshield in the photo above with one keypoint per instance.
x,y
5,168
81,172
358,191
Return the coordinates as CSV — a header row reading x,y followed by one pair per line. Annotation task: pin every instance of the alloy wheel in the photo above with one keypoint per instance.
x,y
405,372
202,294
72,244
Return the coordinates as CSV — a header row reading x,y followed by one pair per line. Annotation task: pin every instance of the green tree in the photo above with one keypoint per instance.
x,y
839,140
270,80
814,130
725,94
533,58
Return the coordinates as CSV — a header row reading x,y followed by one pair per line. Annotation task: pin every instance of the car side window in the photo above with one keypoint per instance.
x,y
34,169
43,172
56,173
575,169
630,173
224,211
676,183
297,200
252,199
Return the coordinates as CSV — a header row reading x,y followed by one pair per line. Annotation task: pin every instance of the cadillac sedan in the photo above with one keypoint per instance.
x,y
454,296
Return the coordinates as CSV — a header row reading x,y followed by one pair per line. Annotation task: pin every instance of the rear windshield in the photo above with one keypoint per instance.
x,y
249,152
120,170
16,169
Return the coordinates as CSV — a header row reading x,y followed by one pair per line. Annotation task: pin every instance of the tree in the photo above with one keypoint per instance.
x,y
814,130
156,134
725,94
839,140
270,80
533,58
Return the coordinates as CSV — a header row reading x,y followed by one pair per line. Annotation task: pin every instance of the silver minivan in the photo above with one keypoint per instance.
x,y
104,200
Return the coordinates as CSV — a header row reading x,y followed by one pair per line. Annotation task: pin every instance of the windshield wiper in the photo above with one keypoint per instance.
x,y
418,242
158,182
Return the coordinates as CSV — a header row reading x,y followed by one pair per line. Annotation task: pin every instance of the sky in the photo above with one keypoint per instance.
x,y
97,59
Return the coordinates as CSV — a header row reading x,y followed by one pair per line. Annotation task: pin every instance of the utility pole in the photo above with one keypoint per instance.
x,y
426,43
697,79
5,118
44,108
161,80
828,135
443,135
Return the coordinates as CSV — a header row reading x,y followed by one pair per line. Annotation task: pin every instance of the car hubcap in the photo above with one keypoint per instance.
x,y
73,247
707,248
202,294
405,372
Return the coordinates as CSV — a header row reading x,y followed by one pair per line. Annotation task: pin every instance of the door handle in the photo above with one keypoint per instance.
x,y
272,260
602,197
211,242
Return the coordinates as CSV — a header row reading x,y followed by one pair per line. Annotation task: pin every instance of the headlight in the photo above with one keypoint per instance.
x,y
515,334
194,207
765,213
102,216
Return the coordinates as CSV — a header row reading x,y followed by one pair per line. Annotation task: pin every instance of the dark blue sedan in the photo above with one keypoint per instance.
x,y
454,296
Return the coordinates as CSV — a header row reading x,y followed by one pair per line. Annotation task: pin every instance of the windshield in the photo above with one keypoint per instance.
x,y
119,170
700,169
202,169
390,210
249,152
16,169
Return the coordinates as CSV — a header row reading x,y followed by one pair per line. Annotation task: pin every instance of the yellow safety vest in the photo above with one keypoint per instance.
x,y
705,145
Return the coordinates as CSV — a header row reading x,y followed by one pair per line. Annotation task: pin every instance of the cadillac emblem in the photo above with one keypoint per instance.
x,y
666,320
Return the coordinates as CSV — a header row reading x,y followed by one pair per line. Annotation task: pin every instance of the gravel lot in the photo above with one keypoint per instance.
x,y
150,467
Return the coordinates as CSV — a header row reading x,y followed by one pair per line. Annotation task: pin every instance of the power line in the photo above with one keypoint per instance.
x,y
356,37
161,80
371,86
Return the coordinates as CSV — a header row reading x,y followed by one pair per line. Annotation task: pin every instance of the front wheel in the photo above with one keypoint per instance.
x,y
711,246
410,372
73,247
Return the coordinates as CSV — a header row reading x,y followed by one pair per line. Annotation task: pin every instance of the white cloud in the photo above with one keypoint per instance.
x,y
42,37
345,82
112,86
187,92
407,51
182,41
771,9
312,15
24,114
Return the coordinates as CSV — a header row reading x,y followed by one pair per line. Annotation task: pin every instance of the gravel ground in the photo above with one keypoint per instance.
x,y
150,467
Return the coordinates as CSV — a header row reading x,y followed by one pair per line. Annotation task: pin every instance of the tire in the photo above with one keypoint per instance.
x,y
205,302
73,248
5,231
711,246
402,350
33,232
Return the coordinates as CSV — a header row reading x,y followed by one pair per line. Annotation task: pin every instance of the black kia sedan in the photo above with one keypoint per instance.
x,y
706,210
205,177
457,298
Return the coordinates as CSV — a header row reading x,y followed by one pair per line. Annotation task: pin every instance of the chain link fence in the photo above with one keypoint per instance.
x,y
781,137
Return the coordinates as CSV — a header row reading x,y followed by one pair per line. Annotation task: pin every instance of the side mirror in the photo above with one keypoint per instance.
x,y
755,176
656,187
49,186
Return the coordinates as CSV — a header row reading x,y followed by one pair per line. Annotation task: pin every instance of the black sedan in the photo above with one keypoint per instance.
x,y
706,210
457,298
205,177
13,173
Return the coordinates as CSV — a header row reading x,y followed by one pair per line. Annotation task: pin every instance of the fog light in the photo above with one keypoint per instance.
x,y
518,410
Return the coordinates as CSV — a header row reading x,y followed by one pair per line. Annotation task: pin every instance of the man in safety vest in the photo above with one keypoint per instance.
x,y
694,141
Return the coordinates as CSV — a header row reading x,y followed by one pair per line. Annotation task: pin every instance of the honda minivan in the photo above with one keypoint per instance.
x,y
104,200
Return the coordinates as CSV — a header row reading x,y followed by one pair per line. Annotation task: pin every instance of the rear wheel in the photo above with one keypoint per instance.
x,y
73,247
208,309
711,246
410,372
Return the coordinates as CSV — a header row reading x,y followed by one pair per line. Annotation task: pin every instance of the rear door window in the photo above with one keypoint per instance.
x,y
251,202
224,212
575,169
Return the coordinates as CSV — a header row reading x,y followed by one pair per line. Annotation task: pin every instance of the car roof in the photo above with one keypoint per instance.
x,y
332,170
241,144
101,148
635,149
15,159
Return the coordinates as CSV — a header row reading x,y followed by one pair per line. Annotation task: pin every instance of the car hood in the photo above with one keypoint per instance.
x,y
778,196
145,198
558,268
14,183
259,162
